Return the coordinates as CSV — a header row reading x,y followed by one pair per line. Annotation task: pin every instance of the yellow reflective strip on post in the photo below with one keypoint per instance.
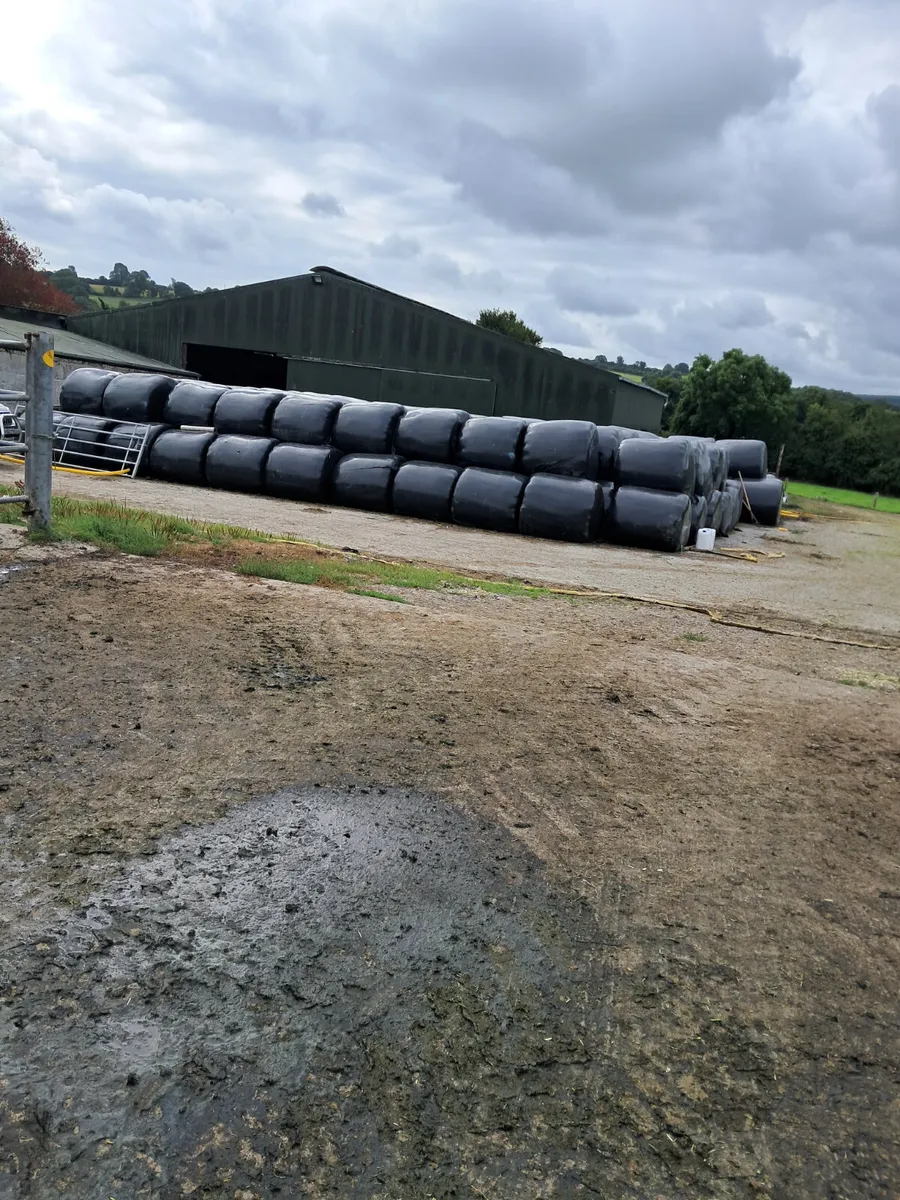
x,y
48,358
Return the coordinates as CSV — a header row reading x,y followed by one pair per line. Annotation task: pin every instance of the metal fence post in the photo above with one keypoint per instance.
x,y
39,430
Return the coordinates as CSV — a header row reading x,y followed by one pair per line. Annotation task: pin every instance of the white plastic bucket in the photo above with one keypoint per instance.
x,y
706,539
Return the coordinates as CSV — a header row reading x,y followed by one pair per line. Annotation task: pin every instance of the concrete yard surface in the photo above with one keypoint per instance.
x,y
312,894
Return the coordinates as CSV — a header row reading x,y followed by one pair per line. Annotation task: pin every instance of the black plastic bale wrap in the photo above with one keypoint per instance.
x,y
137,397
726,511
123,445
608,490
698,516
703,475
367,427
298,472
664,465
237,462
494,443
608,443
430,434
649,519
307,418
82,390
569,510
568,448
746,457
366,480
488,499
192,402
79,440
765,496
425,489
246,411
718,457
179,456
714,510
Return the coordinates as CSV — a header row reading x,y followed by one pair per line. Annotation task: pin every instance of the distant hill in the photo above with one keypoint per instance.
x,y
893,401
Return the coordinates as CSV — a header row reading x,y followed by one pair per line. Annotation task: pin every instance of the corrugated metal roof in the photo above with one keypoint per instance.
x,y
67,344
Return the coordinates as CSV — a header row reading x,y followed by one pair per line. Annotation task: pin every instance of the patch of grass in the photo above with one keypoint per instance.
x,y
815,491
379,595
695,637
354,574
117,527
881,683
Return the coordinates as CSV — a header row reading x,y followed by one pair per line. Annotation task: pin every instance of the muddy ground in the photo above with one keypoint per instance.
x,y
312,894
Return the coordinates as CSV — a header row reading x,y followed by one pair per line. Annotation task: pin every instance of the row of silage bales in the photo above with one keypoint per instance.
x,y
569,480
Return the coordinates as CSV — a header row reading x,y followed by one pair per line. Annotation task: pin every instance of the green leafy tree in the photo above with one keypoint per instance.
x,y
180,288
505,321
119,275
740,396
671,385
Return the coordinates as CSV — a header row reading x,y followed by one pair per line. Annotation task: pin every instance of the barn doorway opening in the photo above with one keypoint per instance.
x,y
239,368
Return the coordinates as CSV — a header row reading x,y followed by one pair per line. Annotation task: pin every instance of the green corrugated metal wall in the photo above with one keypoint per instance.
x,y
324,315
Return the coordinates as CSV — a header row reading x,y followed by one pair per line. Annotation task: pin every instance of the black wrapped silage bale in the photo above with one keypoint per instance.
x,y
726,512
298,472
765,497
566,448
609,490
703,476
718,457
747,457
488,499
367,427
430,434
494,443
237,462
137,397
698,517
664,465
608,443
306,418
366,480
246,412
568,510
714,511
179,456
425,489
649,519
192,402
123,444
82,391
79,440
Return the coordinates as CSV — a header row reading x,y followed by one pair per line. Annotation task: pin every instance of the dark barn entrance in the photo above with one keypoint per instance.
x,y
240,368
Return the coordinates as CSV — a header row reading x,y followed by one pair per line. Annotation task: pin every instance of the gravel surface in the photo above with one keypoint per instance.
x,y
808,582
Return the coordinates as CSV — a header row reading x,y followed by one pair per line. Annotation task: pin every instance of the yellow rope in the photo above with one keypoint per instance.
x,y
70,470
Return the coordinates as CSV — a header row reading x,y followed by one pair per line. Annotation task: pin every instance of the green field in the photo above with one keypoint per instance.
x,y
815,491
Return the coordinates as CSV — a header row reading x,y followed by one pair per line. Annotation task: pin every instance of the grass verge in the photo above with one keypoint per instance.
x,y
815,491
116,527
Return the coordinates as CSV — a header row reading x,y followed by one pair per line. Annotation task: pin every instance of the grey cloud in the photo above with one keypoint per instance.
x,y
586,292
395,245
590,157
322,204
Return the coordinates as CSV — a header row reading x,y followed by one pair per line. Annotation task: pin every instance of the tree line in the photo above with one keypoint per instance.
x,y
818,435
814,434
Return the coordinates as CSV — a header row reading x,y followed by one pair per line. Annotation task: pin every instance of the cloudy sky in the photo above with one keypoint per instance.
x,y
655,179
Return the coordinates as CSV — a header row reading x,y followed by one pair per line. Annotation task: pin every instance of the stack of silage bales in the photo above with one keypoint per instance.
x,y
569,480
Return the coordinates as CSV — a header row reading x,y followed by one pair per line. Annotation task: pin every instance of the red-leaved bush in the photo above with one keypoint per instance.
x,y
21,283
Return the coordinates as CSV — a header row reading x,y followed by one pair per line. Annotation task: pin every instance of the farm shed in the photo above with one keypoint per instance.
x,y
71,350
324,331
